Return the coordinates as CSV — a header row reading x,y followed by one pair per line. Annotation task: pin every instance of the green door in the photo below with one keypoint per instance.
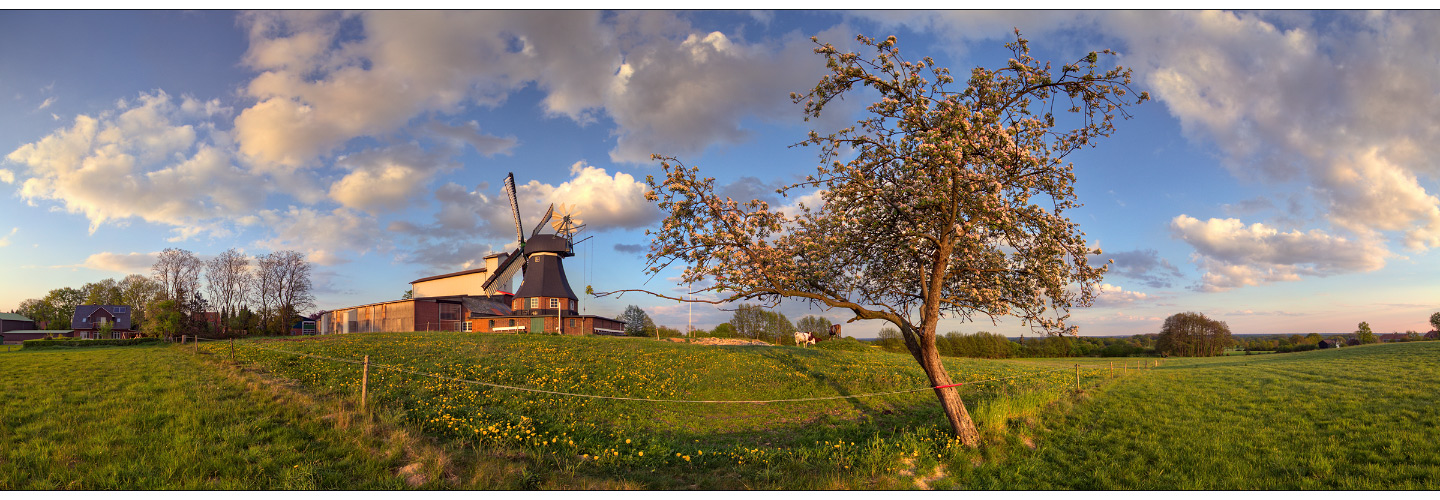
x,y
537,325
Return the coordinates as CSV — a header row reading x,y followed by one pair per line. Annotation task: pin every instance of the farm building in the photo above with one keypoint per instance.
x,y
1392,337
15,328
479,300
1433,335
89,319
459,302
11,322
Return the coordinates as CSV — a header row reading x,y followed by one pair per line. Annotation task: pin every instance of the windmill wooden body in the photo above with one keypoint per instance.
x,y
544,289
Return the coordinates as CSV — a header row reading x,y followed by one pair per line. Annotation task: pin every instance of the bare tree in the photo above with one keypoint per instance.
x,y
295,287
282,288
941,200
228,279
178,273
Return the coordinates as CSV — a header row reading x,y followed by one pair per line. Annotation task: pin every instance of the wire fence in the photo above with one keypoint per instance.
x,y
366,364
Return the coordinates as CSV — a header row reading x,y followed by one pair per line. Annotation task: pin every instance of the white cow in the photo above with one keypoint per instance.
x,y
804,339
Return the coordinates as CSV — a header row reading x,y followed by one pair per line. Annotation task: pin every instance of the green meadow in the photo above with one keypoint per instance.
x,y
483,411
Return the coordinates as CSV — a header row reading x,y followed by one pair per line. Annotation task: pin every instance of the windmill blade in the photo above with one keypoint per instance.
x,y
543,220
514,208
504,273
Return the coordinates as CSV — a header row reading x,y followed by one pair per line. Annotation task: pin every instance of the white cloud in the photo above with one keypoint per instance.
x,y
1108,295
387,179
602,201
46,104
5,241
323,236
131,263
1333,100
1330,99
7,176
668,87
1234,255
142,162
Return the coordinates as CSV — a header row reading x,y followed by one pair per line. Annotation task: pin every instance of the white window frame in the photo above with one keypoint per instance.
x,y
466,326
554,303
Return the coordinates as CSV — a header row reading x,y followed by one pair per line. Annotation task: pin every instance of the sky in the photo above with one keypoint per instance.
x,y
1283,179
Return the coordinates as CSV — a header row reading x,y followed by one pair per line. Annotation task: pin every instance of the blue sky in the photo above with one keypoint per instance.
x,y
1283,179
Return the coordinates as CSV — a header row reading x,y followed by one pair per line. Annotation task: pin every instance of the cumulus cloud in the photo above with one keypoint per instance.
x,y
471,223
1332,100
7,176
321,235
1108,295
667,87
387,179
1233,254
140,160
131,263
1329,101
602,200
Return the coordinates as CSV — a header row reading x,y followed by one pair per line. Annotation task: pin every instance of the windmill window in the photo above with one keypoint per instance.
x,y
534,302
554,303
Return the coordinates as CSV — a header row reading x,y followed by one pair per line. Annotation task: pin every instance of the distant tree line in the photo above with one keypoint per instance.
x,y
1182,334
263,296
747,321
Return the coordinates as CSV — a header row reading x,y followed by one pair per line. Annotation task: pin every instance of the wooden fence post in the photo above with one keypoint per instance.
x,y
1077,377
364,381
232,349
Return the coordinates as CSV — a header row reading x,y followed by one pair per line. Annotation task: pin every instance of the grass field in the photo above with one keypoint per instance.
x,y
1355,418
838,443
157,418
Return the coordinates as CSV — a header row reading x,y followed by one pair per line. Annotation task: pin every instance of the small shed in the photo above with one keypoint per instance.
x,y
12,322
1325,344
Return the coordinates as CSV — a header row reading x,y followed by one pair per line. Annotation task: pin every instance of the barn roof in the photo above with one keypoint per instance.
x,y
13,317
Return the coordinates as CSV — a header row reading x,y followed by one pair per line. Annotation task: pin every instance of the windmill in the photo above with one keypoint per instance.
x,y
568,224
544,288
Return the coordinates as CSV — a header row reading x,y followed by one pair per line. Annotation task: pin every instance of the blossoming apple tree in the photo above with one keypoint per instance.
x,y
942,201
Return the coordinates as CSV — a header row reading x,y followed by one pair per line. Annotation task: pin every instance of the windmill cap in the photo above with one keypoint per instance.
x,y
548,243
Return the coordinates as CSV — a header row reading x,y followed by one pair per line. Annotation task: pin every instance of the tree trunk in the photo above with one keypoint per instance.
x,y
960,423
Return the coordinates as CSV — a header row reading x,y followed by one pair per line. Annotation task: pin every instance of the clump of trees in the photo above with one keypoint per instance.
x,y
637,323
260,296
1363,333
1193,334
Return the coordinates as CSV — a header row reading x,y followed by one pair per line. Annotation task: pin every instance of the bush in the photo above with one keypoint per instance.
x,y
67,343
844,344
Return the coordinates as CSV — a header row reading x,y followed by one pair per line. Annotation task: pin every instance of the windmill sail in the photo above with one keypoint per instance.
x,y
543,220
514,208
504,273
